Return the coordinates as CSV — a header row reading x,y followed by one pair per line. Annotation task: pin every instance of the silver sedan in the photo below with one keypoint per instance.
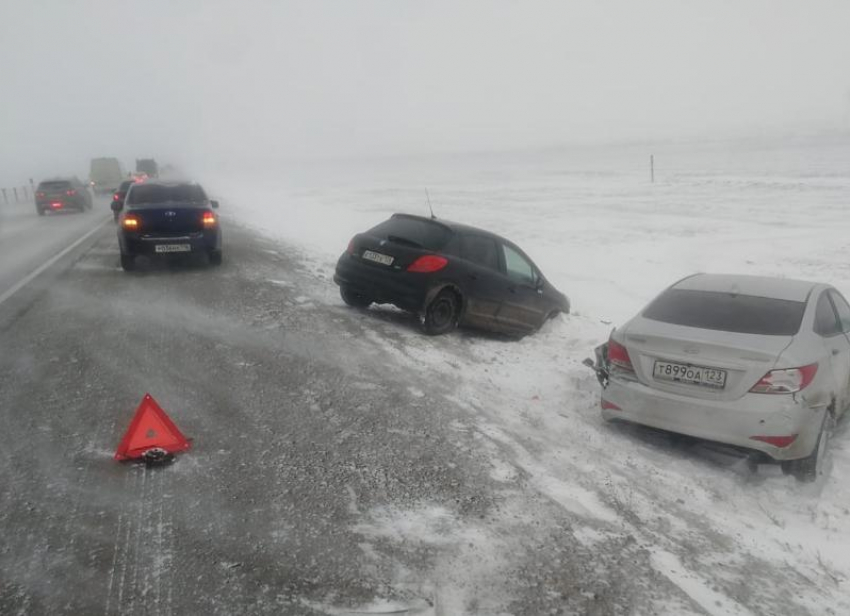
x,y
758,363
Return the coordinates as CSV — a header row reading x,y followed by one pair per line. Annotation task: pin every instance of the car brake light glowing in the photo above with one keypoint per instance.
x,y
428,264
115,197
70,192
56,205
618,356
209,219
787,381
777,441
610,405
131,223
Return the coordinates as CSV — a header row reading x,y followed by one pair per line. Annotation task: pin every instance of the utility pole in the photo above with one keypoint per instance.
x,y
652,168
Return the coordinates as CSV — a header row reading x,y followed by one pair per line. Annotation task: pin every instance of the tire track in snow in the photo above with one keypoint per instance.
x,y
580,501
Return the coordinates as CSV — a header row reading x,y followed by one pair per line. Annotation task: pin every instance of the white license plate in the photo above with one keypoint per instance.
x,y
692,375
173,248
377,257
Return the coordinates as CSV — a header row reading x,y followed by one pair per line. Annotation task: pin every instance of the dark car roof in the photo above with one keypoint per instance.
x,y
150,182
456,227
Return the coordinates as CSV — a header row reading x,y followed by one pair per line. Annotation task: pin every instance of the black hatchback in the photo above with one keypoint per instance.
x,y
449,274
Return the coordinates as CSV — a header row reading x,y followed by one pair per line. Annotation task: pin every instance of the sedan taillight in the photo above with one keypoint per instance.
x,y
131,222
618,356
787,381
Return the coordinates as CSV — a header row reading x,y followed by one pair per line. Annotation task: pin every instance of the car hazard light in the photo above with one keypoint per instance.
x,y
131,223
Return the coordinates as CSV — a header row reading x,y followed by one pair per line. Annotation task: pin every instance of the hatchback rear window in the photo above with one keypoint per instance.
x,y
741,314
54,185
156,193
413,232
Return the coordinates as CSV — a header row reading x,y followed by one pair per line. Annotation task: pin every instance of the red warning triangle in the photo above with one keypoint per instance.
x,y
150,428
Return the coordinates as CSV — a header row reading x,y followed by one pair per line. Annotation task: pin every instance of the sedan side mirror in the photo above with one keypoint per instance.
x,y
214,205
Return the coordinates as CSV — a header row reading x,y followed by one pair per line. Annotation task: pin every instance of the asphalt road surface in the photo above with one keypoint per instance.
x,y
310,442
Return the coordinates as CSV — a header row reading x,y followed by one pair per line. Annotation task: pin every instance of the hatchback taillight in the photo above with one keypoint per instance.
x,y
618,356
428,264
787,381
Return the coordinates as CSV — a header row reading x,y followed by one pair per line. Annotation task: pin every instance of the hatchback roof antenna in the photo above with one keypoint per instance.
x,y
427,196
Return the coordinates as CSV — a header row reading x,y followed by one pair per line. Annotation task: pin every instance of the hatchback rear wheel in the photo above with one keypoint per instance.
x,y
354,298
442,313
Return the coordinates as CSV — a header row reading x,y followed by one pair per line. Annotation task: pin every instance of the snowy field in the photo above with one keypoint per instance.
x,y
733,542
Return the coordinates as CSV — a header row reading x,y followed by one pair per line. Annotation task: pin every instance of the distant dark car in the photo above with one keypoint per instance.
x,y
62,194
449,274
119,195
159,218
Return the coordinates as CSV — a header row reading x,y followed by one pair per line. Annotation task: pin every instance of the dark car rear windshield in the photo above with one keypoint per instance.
x,y
156,193
413,231
54,185
742,314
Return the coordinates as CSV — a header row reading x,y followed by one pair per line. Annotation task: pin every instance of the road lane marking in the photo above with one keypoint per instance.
x,y
35,273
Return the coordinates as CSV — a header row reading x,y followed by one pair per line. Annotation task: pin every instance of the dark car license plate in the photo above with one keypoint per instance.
x,y
377,257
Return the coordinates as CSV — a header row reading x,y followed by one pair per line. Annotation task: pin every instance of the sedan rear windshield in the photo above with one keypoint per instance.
x,y
413,232
54,185
156,193
741,314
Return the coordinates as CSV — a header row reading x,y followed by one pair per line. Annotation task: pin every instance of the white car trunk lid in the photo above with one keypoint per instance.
x,y
742,358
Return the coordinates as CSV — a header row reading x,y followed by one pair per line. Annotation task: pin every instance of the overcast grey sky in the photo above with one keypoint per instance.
x,y
247,81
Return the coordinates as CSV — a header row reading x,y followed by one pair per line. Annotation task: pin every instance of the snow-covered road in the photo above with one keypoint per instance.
x,y
344,463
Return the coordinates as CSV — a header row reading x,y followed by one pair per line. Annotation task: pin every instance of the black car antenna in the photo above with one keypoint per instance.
x,y
427,196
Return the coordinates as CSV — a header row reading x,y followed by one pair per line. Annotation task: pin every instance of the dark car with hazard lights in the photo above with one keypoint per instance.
x,y
162,219
60,194
119,195
449,274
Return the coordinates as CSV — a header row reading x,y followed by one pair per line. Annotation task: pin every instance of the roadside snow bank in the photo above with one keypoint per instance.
x,y
732,542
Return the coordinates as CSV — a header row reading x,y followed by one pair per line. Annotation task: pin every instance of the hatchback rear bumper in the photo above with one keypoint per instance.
x,y
730,422
382,284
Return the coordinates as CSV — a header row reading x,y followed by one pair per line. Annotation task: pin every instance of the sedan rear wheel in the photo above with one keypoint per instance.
x,y
128,262
812,466
441,314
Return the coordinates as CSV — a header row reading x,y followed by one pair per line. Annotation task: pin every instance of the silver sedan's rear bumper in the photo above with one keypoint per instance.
x,y
731,422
